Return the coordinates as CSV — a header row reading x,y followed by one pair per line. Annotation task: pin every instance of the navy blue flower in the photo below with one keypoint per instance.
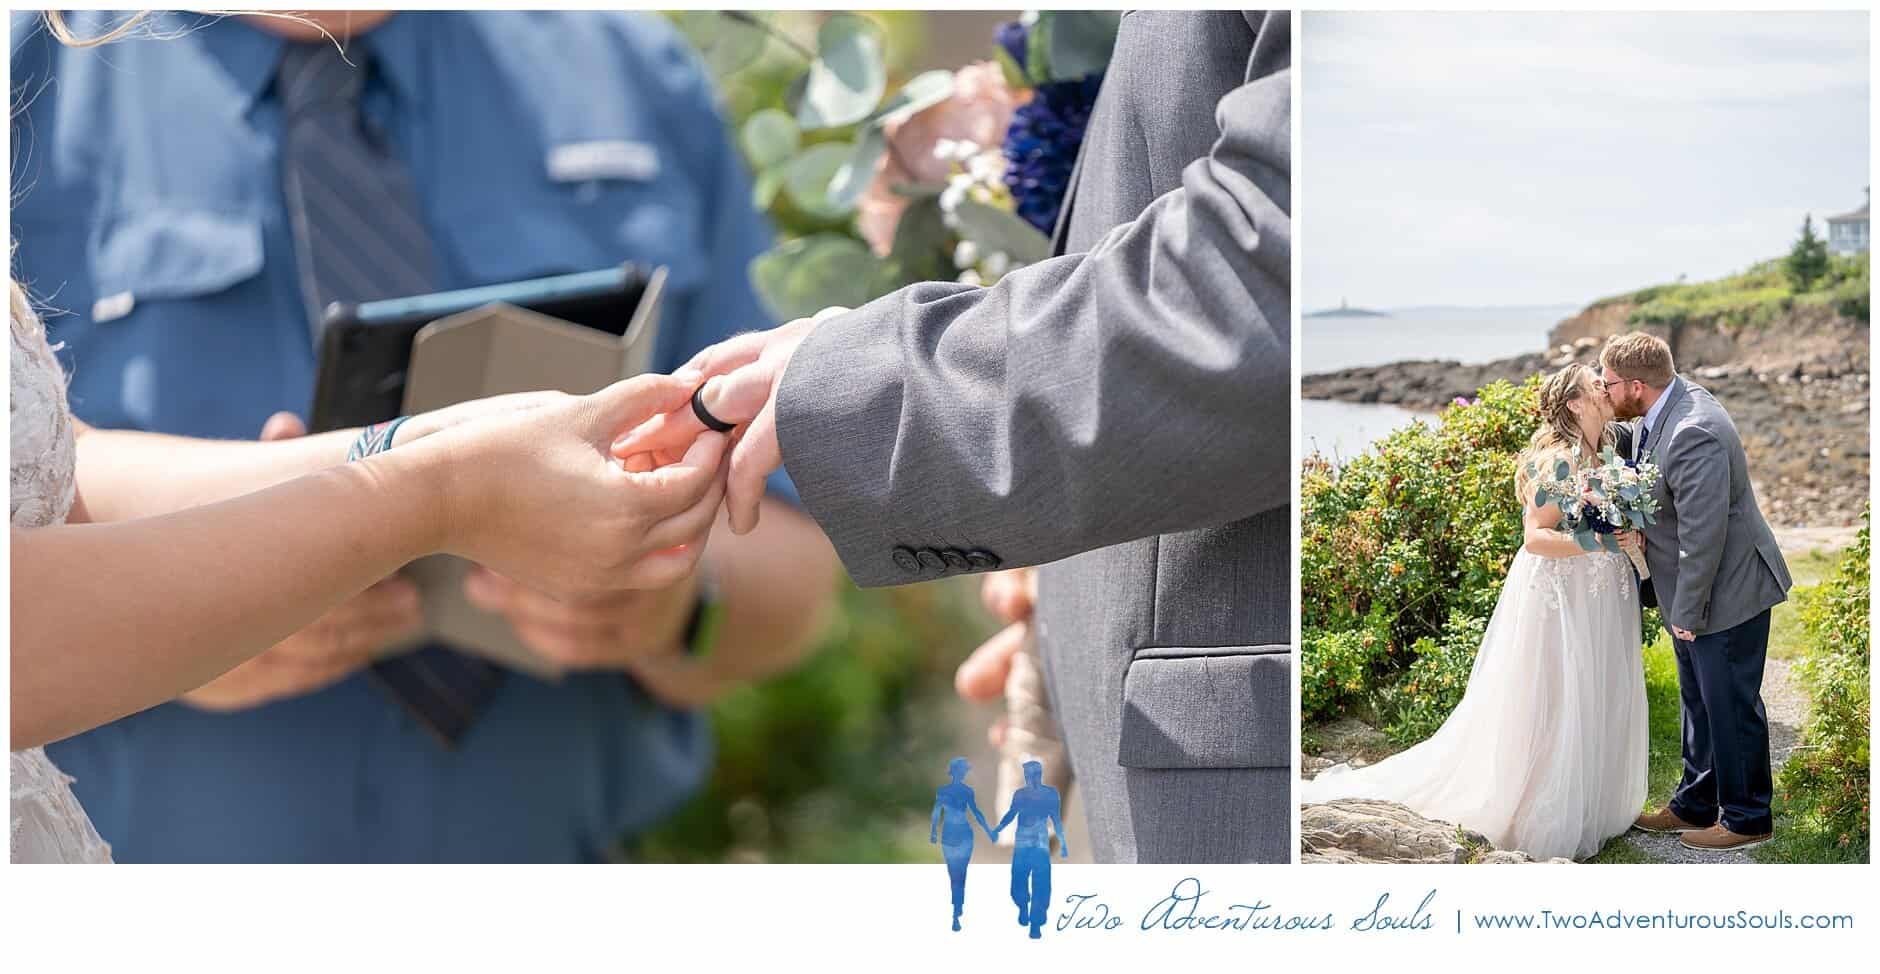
x,y
1041,146
1014,37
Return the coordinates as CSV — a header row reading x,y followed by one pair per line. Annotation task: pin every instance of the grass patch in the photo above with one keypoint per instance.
x,y
1803,837
1755,298
1664,728
1812,566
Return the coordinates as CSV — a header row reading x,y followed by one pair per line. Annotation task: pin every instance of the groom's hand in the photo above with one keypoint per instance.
x,y
1684,634
605,632
741,379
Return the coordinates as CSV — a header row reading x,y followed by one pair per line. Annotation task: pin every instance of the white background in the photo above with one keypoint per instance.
x,y
890,918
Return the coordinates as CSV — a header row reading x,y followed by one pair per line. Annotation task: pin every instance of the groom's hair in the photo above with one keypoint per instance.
x,y
1640,356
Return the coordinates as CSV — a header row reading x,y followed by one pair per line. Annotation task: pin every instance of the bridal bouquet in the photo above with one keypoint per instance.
x,y
876,181
1598,501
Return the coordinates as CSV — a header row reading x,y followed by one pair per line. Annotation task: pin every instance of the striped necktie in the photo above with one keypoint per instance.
x,y
358,236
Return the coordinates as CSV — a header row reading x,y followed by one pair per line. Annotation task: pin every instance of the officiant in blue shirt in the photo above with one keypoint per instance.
x,y
188,202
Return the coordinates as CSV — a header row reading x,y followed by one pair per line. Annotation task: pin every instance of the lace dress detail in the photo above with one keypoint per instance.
x,y
46,822
1598,575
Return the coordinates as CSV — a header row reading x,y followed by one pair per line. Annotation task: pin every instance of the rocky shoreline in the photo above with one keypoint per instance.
x,y
1804,423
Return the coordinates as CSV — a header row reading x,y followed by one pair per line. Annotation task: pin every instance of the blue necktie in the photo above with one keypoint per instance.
x,y
359,236
1644,433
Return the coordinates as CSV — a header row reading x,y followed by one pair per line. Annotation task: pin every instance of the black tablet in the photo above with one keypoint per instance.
x,y
365,349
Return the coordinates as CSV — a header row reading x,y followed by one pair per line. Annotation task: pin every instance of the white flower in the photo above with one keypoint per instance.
x,y
997,263
970,276
952,196
955,150
986,167
966,254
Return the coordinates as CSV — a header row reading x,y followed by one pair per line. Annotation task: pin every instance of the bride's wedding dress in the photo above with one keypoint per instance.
x,y
46,822
1547,752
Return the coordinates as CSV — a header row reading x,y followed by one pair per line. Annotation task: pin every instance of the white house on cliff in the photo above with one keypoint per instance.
x,y
1847,233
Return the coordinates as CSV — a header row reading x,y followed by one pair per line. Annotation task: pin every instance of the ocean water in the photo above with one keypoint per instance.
x,y
1462,334
1341,430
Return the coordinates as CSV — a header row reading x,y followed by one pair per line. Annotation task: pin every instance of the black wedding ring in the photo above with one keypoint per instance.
x,y
705,416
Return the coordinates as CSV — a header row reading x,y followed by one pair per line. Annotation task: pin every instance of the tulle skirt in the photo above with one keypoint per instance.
x,y
1547,752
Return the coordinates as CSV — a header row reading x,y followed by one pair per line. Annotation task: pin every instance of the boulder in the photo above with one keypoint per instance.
x,y
1352,830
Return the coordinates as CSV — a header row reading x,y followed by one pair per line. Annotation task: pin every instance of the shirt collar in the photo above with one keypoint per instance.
x,y
248,54
397,48
251,55
1652,414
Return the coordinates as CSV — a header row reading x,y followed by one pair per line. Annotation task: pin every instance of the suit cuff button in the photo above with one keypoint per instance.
x,y
983,560
931,560
906,560
955,560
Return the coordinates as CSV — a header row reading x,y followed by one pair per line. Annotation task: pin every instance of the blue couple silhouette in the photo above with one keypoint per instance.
x,y
1036,808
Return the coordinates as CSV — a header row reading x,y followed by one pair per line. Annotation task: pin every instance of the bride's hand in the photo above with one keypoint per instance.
x,y
534,494
1630,540
439,420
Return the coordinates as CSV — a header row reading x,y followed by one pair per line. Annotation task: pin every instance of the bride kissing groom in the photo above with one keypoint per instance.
x,y
1547,751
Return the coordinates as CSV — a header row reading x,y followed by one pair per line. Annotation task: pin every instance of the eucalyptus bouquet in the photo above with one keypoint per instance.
x,y
1597,501
876,180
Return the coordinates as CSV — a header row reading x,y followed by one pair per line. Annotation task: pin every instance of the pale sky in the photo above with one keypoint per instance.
x,y
1522,159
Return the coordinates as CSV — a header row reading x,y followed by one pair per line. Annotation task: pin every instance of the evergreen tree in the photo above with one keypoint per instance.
x,y
1808,259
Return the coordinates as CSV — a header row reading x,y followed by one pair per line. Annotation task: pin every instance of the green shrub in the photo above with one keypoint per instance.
x,y
1418,703
1825,784
1401,540
1334,668
1851,286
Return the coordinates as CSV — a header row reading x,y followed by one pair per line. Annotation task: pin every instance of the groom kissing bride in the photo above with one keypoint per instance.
x,y
1547,751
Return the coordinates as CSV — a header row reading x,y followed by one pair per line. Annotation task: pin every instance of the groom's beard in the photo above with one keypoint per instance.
x,y
1626,410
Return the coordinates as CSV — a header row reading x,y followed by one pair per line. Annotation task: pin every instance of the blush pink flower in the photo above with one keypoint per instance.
x,y
979,112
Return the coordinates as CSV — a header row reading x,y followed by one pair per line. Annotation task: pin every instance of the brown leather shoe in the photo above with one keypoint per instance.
x,y
1664,820
1719,839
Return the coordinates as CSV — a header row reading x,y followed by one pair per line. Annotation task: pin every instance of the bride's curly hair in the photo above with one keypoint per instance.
x,y
137,20
1559,432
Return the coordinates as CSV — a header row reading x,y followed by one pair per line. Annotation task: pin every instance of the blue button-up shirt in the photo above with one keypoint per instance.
x,y
148,207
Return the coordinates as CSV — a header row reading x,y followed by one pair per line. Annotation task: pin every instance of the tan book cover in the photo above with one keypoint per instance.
x,y
490,351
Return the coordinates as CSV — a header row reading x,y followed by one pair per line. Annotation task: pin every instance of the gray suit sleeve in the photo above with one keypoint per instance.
x,y
1697,474
1140,388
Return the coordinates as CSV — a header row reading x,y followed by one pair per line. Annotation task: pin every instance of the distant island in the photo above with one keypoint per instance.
x,y
1345,310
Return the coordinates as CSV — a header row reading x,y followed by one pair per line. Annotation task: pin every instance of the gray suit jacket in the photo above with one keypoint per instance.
x,y
1714,561
1122,411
